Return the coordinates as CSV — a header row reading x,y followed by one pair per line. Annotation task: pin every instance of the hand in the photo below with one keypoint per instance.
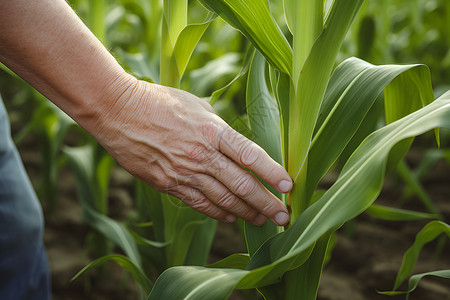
x,y
174,142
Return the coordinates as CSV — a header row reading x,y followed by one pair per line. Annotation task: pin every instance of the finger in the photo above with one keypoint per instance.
x,y
246,187
223,198
248,154
196,200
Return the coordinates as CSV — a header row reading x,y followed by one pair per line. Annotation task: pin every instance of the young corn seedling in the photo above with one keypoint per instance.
x,y
304,111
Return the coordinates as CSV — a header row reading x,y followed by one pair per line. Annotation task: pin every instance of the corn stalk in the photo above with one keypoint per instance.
x,y
304,111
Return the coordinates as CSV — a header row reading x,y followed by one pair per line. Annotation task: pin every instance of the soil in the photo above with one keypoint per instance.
x,y
365,259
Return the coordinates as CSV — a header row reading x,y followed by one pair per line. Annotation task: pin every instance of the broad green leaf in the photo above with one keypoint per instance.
x,y
82,161
124,262
282,94
262,110
192,283
305,20
114,231
303,282
253,19
414,86
149,205
235,261
173,22
355,190
181,225
168,70
175,15
413,282
426,235
352,90
304,105
263,118
187,40
245,65
396,214
201,242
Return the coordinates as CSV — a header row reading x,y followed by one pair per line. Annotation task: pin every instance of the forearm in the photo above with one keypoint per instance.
x,y
45,43
169,138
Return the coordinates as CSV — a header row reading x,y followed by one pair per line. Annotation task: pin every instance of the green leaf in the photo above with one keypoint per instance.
x,y
194,283
187,40
145,242
253,19
181,225
173,22
282,94
245,65
414,86
355,190
303,282
262,110
124,262
426,235
305,20
310,89
263,118
175,15
413,282
81,159
235,261
352,90
149,204
396,214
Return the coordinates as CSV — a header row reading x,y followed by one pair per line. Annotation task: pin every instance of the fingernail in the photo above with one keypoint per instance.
x,y
281,218
230,218
260,220
285,186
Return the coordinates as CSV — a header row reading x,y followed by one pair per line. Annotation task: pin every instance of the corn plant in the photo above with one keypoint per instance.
x,y
304,111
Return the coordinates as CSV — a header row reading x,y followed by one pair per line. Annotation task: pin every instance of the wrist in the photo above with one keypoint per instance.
x,y
98,113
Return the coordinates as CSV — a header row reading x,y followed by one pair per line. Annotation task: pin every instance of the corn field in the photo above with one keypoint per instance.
x,y
350,96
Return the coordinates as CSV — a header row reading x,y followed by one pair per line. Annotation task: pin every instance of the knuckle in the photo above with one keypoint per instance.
x,y
166,182
200,204
198,153
249,154
267,207
245,186
227,201
250,214
209,130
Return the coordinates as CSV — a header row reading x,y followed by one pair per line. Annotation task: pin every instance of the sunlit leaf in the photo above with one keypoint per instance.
x,y
355,190
426,235
124,262
253,19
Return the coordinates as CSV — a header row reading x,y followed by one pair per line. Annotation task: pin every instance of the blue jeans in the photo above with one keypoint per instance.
x,y
24,272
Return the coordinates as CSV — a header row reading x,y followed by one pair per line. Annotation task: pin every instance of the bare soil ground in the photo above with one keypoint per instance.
x,y
365,258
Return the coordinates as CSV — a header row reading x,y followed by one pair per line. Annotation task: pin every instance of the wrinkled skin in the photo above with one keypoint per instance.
x,y
168,138
173,141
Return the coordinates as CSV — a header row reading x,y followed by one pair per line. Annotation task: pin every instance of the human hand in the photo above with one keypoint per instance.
x,y
174,142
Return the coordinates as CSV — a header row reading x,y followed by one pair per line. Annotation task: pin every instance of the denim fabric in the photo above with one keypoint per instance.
x,y
24,272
